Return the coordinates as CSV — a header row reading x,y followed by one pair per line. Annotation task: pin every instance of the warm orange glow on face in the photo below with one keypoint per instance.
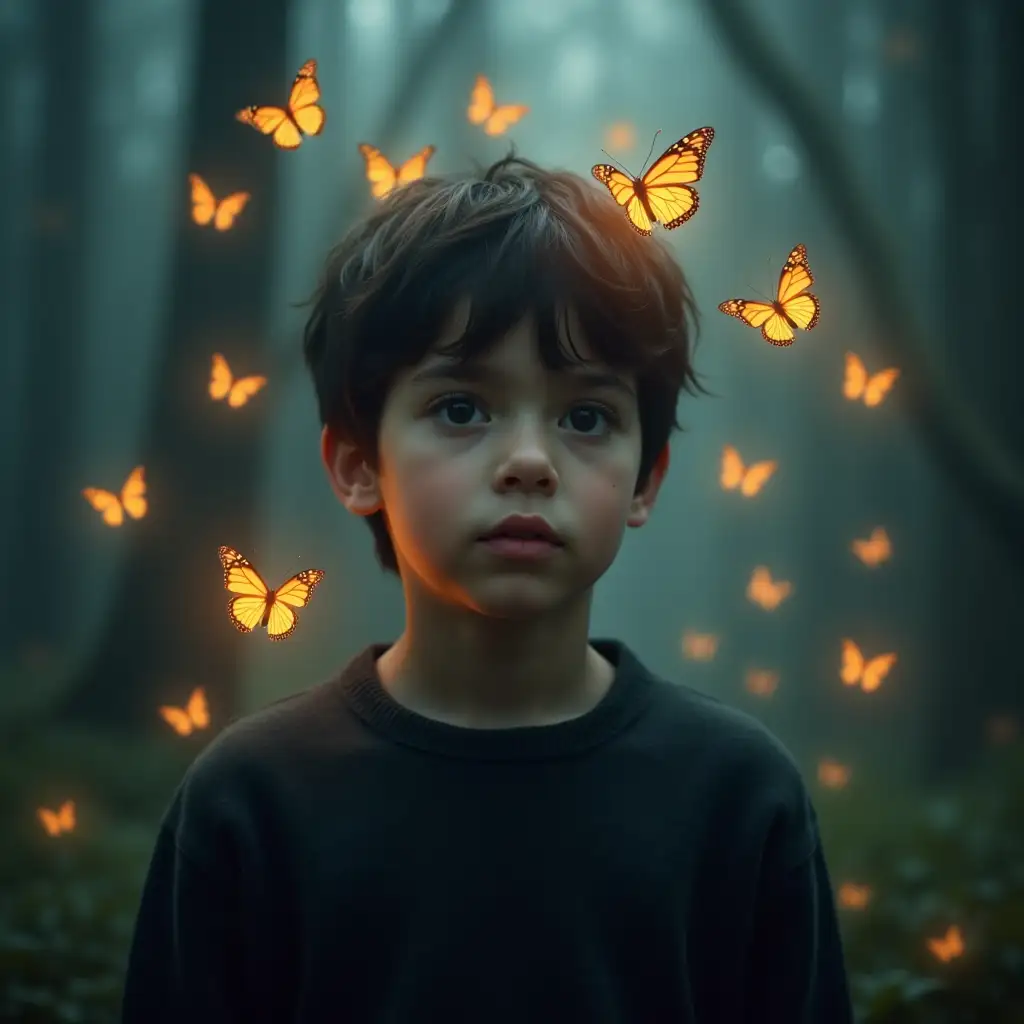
x,y
766,592
868,672
699,646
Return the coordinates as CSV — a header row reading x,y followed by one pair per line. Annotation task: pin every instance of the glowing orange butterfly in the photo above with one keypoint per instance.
x,y
699,646
484,111
206,207
257,604
194,715
303,115
662,195
832,774
238,390
761,682
852,896
869,673
875,549
56,822
857,384
765,591
748,479
949,946
792,307
384,177
131,501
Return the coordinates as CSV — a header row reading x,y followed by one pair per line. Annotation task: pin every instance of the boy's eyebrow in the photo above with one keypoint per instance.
x,y
482,373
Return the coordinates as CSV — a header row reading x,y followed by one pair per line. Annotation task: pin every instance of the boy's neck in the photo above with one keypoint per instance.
x,y
459,667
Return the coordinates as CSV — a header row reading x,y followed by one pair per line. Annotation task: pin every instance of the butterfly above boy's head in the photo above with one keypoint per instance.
x,y
661,195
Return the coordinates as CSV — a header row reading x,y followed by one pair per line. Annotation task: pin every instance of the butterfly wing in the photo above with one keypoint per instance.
x,y
623,191
795,276
504,117
302,102
379,172
481,101
177,719
198,710
242,390
876,670
297,590
774,327
247,609
732,468
204,205
273,121
756,477
220,377
416,166
855,378
879,385
106,503
228,209
50,821
852,665
671,199
133,494
281,622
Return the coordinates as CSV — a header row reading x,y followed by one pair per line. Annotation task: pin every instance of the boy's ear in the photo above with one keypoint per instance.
x,y
643,502
355,483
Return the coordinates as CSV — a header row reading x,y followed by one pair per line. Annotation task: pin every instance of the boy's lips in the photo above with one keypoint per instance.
x,y
524,528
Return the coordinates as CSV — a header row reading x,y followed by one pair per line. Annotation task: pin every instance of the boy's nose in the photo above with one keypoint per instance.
x,y
527,466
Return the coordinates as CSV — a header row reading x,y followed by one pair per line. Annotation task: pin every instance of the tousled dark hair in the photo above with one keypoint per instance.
x,y
512,239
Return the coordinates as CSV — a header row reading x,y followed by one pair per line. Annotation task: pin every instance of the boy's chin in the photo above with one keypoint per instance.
x,y
519,597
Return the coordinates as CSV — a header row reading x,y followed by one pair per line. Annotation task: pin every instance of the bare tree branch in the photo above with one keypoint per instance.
x,y
974,460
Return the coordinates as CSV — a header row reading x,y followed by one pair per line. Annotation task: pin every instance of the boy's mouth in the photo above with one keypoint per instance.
x,y
524,528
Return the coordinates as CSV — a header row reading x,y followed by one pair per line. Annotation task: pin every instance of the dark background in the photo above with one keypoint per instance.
x,y
880,134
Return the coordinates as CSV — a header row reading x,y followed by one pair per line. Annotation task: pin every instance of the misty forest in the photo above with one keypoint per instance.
x,y
838,548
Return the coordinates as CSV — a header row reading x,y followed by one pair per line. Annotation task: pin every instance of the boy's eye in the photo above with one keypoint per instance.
x,y
456,410
590,419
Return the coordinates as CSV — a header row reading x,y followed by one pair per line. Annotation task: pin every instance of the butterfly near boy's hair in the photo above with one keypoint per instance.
x,y
384,177
258,605
867,672
748,480
61,820
194,715
206,207
303,115
874,549
237,390
662,195
494,118
871,389
131,501
766,592
949,946
793,306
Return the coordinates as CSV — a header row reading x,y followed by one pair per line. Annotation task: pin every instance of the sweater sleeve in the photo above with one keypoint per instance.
x,y
797,971
182,963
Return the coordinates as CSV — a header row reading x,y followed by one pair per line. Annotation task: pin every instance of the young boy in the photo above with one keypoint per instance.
x,y
493,818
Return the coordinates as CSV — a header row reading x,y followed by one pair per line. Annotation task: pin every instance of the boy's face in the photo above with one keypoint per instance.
x,y
459,452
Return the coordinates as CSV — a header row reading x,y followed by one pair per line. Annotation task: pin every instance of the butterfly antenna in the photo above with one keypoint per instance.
x,y
621,167
650,151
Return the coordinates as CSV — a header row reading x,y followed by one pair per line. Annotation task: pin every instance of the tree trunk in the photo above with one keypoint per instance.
x,y
167,630
47,494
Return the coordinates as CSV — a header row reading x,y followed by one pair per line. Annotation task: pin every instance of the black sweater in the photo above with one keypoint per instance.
x,y
336,857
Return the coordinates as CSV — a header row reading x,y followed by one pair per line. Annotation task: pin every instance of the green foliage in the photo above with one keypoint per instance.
x,y
952,857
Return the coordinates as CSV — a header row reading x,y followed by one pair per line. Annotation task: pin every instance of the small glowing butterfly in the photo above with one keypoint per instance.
x,y
949,946
832,774
238,390
194,715
761,682
870,389
875,549
483,110
132,499
303,116
748,479
383,176
792,307
56,822
257,604
206,207
662,195
699,646
765,591
869,673
852,896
